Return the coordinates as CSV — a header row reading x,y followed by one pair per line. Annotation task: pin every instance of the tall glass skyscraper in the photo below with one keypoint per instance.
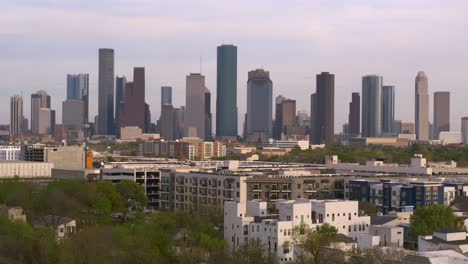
x,y
226,92
120,83
371,106
259,104
388,109
78,89
166,95
106,92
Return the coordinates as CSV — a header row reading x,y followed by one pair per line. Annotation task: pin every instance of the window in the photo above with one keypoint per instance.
x,y
333,217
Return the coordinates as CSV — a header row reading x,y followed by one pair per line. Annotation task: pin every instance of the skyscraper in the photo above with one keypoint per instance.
x,y
441,112
120,83
285,116
106,92
166,95
38,100
354,118
166,122
208,117
195,106
324,119
464,130
277,129
16,116
72,113
226,91
388,109
421,112
134,112
45,121
371,106
78,89
259,104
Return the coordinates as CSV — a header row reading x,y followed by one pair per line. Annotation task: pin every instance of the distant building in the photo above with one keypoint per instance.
x,y
464,129
441,112
226,91
78,89
170,149
388,109
12,213
45,121
167,123
354,118
133,111
38,100
371,106
421,112
73,112
120,83
10,153
285,117
407,128
195,106
166,96
259,104
25,170
64,227
208,116
106,92
324,110
16,116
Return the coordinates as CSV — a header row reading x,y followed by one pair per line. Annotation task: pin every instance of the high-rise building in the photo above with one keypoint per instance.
x,y
354,118
464,130
195,106
38,100
303,118
45,121
226,91
208,116
259,104
72,112
120,83
441,112
286,118
166,96
371,106
133,112
166,122
421,112
16,116
388,109
324,119
106,92
78,89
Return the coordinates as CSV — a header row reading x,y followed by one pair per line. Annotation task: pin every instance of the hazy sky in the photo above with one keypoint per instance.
x,y
43,40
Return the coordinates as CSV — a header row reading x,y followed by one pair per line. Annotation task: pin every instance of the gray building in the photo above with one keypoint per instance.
x,y
120,83
421,112
78,89
354,117
388,109
166,96
324,110
208,116
195,106
38,100
371,106
45,121
441,112
106,92
259,103
167,123
226,91
16,116
72,112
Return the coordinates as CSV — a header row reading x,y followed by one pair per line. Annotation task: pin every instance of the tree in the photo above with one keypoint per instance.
x,y
314,242
368,208
377,255
133,195
253,253
427,220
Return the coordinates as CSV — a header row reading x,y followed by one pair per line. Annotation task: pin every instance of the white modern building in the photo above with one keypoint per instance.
x,y
10,152
454,240
25,169
287,144
250,221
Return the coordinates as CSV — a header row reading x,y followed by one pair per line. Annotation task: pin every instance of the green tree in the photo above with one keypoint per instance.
x,y
133,196
367,208
314,242
253,253
427,220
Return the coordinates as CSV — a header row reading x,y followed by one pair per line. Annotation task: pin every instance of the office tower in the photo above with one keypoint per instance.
x,y
52,121
208,117
166,122
371,106
464,130
388,109
45,121
303,118
259,104
286,116
354,118
421,112
324,109
195,106
120,83
166,95
397,126
72,113
78,89
179,122
441,112
38,100
106,92
16,116
133,112
277,129
25,125
226,91
313,116
148,126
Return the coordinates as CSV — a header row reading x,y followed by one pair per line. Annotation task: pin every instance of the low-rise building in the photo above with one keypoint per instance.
x,y
25,169
286,144
443,240
187,149
64,227
10,152
251,221
12,213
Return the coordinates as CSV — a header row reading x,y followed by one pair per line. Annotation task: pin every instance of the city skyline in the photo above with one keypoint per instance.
x,y
292,73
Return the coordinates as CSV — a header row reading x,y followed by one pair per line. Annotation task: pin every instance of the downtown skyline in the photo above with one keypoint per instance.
x,y
292,66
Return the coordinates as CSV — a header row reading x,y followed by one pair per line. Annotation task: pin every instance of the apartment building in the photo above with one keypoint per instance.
x,y
251,221
10,152
187,149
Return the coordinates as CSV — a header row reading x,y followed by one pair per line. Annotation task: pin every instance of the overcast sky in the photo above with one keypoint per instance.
x,y
43,40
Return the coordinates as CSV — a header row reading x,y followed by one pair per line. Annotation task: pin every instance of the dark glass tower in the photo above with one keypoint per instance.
x,y
226,92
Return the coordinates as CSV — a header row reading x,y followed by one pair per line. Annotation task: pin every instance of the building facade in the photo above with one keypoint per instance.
x,y
421,112
120,83
133,111
441,113
388,109
38,100
354,118
78,89
195,106
371,106
166,95
259,104
226,91
106,92
324,110
16,116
